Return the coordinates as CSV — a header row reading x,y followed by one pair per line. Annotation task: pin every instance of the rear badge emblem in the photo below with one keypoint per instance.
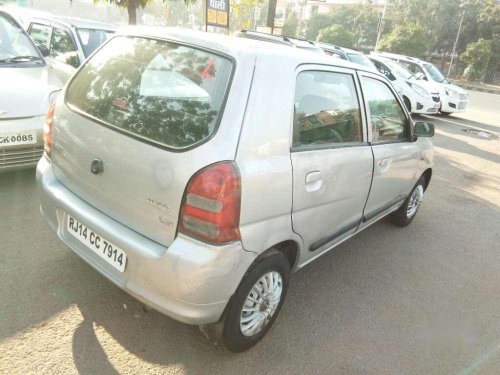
x,y
97,166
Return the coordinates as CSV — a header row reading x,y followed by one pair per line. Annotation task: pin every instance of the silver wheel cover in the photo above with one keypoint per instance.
x,y
415,201
261,303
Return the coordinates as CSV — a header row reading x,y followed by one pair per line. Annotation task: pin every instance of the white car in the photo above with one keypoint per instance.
x,y
26,90
419,96
453,98
67,42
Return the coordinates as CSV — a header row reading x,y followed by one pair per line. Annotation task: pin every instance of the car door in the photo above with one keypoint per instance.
x,y
63,57
331,158
395,153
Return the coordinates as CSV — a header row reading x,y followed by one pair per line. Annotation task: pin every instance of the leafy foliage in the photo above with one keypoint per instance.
x,y
477,55
337,34
407,39
360,20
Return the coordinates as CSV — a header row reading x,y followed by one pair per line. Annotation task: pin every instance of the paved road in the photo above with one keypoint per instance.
x,y
419,300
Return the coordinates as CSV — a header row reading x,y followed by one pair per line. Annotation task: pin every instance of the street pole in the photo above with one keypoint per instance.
x,y
455,44
381,25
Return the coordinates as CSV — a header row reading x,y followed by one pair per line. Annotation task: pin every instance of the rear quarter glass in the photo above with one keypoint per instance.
x,y
162,92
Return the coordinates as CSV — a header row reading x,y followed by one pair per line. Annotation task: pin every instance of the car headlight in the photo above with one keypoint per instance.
x,y
454,94
420,91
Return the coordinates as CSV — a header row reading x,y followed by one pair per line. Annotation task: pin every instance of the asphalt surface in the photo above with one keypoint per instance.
x,y
418,300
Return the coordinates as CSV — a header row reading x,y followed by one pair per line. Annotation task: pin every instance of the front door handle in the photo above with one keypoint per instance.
x,y
314,181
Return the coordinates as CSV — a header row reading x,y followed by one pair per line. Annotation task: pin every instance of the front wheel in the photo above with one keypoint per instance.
x,y
257,302
406,213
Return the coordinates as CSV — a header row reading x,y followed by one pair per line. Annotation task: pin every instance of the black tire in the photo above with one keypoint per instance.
x,y
232,336
400,217
407,103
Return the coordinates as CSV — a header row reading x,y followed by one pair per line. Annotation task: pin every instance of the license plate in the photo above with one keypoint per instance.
x,y
102,247
16,139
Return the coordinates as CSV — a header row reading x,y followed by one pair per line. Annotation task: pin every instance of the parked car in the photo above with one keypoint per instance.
x,y
419,96
453,98
279,39
66,42
346,54
172,157
26,91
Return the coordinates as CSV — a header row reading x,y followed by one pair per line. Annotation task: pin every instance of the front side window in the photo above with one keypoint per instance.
x,y
162,92
92,38
63,49
382,68
388,120
326,110
40,34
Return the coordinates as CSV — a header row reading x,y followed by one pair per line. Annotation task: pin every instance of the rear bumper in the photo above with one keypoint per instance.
x,y
189,281
21,156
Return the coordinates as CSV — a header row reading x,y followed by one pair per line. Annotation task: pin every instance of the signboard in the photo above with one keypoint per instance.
x,y
218,13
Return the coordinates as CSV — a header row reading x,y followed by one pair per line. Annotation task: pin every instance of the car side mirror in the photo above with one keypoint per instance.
x,y
43,50
424,129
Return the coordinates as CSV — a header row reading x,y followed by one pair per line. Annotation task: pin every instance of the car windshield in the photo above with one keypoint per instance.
x,y
360,59
399,70
435,73
93,38
15,45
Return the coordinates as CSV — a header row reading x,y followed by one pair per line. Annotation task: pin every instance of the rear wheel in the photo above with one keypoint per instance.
x,y
406,213
257,302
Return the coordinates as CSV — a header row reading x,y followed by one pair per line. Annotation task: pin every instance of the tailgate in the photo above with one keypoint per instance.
x,y
149,127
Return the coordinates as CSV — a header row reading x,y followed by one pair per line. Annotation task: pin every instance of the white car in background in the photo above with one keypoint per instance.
x,y
67,42
453,98
419,96
26,90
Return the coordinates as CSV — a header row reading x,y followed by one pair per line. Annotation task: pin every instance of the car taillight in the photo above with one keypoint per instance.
x,y
211,206
47,130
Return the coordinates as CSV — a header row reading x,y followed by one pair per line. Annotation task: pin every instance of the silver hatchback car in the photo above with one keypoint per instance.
x,y
197,171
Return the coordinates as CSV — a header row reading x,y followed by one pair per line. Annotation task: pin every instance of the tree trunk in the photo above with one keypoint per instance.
x,y
132,12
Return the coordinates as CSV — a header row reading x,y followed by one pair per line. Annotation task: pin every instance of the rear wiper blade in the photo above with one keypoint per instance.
x,y
20,58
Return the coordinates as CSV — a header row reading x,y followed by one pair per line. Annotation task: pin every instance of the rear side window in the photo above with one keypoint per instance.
x,y
326,109
165,93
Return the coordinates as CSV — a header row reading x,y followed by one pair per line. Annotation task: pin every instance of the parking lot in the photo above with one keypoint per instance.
x,y
415,300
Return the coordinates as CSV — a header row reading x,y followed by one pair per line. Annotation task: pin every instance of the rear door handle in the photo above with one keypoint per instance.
x,y
314,181
384,165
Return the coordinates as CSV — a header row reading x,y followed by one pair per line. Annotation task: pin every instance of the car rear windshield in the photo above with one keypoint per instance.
x,y
92,38
162,92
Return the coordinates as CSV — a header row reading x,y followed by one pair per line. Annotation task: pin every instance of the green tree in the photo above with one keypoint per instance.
x,y
131,6
291,26
317,22
337,34
477,56
407,39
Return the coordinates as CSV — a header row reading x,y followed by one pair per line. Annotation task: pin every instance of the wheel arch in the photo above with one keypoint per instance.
x,y
427,175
